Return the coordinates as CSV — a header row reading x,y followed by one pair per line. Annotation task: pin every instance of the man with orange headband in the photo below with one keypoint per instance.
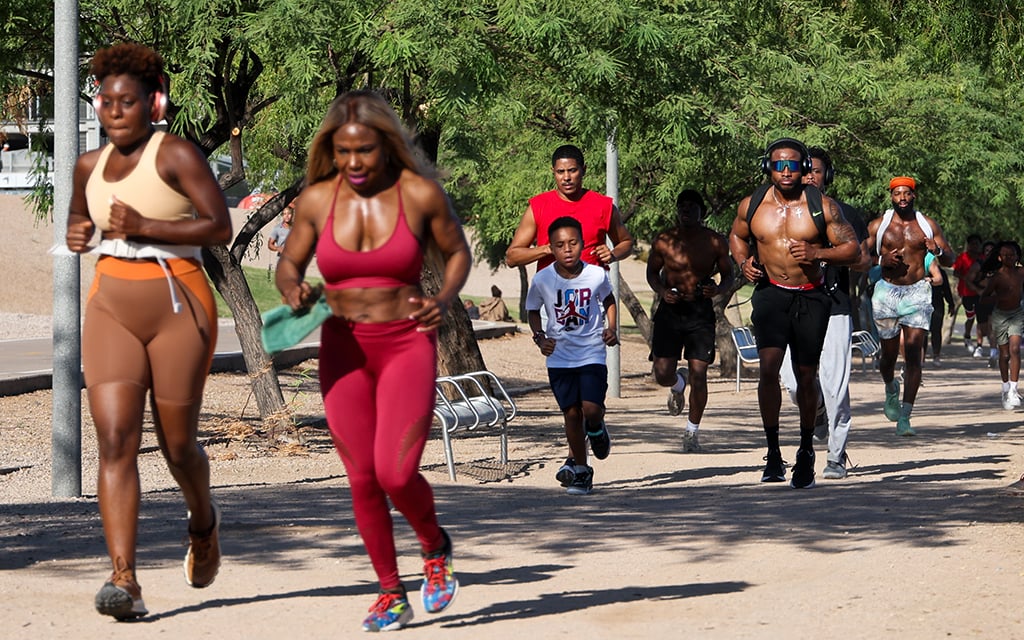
x,y
902,301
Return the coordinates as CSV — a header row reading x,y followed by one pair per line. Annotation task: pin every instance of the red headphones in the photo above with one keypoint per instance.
x,y
158,108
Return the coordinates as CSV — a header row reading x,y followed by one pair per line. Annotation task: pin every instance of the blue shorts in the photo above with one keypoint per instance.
x,y
575,385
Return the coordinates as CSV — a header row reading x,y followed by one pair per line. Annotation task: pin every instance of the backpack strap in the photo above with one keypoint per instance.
x,y
756,199
814,205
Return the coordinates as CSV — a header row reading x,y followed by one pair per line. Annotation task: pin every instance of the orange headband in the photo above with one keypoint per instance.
x,y
902,181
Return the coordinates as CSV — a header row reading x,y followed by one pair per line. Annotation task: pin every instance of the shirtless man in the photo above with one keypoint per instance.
x,y
790,306
902,301
833,418
1006,287
680,267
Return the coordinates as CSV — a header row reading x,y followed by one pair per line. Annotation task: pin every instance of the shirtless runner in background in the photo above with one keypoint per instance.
x,y
680,267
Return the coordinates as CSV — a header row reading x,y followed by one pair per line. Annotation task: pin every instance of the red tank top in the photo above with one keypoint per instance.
x,y
396,263
593,210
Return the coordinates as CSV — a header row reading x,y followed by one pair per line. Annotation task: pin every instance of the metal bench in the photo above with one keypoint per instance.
x,y
471,401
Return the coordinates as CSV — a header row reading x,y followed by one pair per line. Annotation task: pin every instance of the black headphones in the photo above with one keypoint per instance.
x,y
829,174
805,156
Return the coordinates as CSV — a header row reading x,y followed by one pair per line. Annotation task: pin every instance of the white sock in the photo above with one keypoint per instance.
x,y
680,384
691,427
1013,385
1006,387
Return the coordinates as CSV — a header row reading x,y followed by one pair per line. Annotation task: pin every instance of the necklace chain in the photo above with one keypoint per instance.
x,y
784,208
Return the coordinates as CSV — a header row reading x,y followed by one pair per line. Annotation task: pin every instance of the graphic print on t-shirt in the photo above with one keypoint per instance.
x,y
572,308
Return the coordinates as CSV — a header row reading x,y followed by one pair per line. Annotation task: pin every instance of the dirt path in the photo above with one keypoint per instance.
x,y
919,542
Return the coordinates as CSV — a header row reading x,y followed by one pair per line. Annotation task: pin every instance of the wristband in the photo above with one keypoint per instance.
x,y
937,251
538,336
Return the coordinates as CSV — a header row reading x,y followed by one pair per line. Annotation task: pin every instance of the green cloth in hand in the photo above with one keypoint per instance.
x,y
284,327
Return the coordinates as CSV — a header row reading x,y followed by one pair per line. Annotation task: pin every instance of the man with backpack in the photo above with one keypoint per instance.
x,y
832,421
781,244
902,301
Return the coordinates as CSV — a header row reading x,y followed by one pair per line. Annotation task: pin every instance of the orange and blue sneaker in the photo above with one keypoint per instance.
x,y
390,612
439,583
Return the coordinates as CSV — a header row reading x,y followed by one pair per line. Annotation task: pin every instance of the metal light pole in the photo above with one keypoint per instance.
x,y
612,179
66,426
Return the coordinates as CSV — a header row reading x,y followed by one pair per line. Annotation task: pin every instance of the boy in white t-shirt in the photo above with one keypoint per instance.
x,y
573,295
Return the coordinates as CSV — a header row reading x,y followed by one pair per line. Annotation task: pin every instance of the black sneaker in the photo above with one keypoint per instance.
x,y
600,442
775,470
566,473
582,483
803,470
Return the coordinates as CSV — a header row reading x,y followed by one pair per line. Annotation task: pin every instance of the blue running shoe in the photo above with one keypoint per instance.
x,y
892,402
566,473
390,612
600,442
903,427
439,583
583,483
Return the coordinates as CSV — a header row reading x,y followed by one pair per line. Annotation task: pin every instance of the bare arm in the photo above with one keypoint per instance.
x,y
298,251
845,249
739,238
725,267
446,230
939,244
655,263
622,240
80,225
610,335
521,251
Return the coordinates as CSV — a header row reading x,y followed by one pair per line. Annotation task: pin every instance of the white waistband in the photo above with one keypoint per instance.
x,y
127,249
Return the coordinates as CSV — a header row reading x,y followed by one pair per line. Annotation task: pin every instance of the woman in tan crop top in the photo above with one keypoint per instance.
x,y
150,322
370,208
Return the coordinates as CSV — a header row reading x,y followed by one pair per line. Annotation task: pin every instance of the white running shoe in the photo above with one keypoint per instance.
x,y
1008,398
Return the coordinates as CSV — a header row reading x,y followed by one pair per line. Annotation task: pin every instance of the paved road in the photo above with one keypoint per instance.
x,y
27,365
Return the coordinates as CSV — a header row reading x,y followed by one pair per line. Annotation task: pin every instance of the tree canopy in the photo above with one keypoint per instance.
x,y
692,90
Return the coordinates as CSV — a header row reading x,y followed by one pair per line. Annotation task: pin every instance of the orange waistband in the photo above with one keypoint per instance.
x,y
145,269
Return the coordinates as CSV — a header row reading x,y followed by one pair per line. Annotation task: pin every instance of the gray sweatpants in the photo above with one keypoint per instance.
x,y
833,381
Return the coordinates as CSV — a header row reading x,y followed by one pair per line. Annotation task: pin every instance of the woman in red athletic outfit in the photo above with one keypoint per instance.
x,y
369,211
150,321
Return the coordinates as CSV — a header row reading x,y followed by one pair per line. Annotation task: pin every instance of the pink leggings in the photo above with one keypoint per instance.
x,y
377,381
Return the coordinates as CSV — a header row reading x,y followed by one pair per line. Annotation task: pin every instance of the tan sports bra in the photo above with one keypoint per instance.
x,y
143,189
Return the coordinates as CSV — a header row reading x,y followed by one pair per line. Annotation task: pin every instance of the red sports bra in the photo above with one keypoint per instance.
x,y
396,263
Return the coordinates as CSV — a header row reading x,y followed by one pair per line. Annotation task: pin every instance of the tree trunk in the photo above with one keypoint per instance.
x,y
229,279
723,331
636,310
524,286
457,350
